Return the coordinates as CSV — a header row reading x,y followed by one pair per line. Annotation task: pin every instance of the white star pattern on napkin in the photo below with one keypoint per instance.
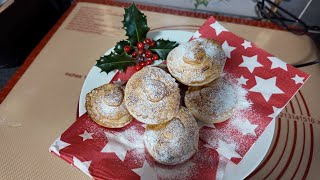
x,y
266,87
242,80
117,144
196,34
119,82
212,144
218,28
245,127
297,79
275,113
250,62
58,145
224,149
146,172
227,150
83,166
227,49
277,63
246,44
203,124
86,136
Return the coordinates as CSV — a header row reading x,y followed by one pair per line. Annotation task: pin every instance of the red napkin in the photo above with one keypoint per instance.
x,y
104,153
269,84
265,84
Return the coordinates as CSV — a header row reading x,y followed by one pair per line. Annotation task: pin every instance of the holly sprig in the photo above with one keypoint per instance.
x,y
115,61
137,50
135,24
163,47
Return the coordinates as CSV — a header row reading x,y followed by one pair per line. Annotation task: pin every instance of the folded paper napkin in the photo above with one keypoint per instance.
x,y
265,84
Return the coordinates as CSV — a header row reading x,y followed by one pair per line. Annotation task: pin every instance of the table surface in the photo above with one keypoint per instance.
x,y
44,101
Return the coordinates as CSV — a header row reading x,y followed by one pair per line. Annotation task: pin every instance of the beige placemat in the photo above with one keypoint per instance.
x,y
44,101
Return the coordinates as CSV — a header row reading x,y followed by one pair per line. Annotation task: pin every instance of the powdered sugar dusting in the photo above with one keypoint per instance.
x,y
176,141
212,136
152,96
242,99
243,102
134,137
214,102
139,155
196,62
110,112
222,95
170,149
182,171
155,90
105,105
211,51
113,97
238,123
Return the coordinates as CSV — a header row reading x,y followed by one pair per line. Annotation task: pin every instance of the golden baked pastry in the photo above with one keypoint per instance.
x,y
175,141
152,96
212,103
197,62
106,107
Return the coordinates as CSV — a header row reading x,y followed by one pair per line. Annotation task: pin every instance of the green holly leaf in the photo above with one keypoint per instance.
x,y
163,47
115,61
120,45
135,24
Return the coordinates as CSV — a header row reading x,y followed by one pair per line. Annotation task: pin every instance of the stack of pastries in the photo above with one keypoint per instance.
x,y
152,96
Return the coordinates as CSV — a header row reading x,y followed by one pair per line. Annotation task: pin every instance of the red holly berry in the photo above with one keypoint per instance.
x,y
140,45
134,54
127,49
155,57
138,67
142,64
140,51
148,54
147,41
148,62
152,43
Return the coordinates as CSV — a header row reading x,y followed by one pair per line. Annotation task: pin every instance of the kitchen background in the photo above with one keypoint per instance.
x,y
24,23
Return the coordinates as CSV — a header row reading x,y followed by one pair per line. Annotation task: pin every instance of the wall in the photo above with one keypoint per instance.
x,y
312,14
234,7
244,8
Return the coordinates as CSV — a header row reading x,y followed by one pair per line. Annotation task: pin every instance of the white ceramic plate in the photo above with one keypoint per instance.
x,y
249,162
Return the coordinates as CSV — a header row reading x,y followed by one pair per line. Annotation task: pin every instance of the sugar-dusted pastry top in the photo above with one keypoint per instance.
x,y
197,62
175,141
212,103
152,96
106,107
